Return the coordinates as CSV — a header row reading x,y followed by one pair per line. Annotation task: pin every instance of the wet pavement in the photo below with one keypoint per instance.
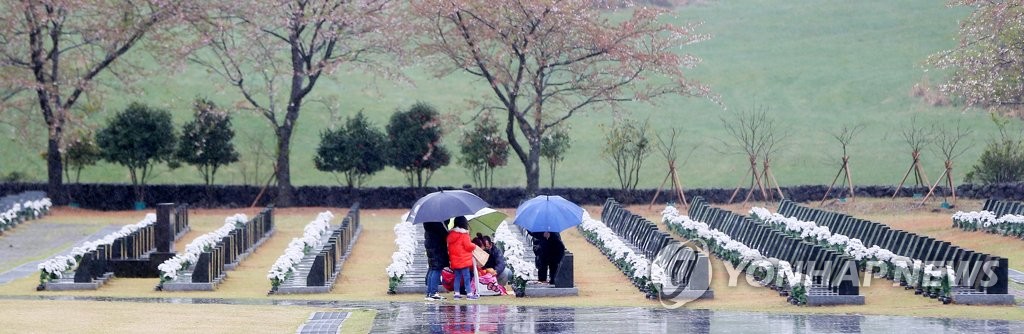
x,y
413,317
16,248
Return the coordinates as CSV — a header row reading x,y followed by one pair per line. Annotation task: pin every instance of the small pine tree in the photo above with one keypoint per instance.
x,y
414,146
355,150
81,152
626,147
206,141
138,138
553,146
483,150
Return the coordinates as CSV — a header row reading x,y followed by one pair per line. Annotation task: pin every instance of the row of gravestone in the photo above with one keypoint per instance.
x,y
1001,207
981,272
8,202
685,268
211,266
828,269
135,255
326,264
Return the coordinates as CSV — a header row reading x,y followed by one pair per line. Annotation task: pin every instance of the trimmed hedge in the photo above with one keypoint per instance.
x,y
108,196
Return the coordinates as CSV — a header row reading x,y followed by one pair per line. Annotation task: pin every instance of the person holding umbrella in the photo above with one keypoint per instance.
x,y
549,251
460,254
435,236
430,210
546,216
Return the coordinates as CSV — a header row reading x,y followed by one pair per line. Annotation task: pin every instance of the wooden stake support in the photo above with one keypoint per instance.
x,y
919,176
677,187
755,180
770,181
849,180
948,173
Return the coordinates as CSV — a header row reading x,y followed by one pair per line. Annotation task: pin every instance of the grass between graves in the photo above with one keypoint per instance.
x,y
599,282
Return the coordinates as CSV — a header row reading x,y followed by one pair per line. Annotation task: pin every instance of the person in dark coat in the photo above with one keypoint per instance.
x,y
496,259
549,249
434,240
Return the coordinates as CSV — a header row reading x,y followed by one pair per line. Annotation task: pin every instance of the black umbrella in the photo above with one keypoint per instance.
x,y
443,205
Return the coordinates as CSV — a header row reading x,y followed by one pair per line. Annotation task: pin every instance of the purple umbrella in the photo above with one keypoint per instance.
x,y
443,205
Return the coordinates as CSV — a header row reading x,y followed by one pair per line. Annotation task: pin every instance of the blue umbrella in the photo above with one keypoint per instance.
x,y
443,205
548,214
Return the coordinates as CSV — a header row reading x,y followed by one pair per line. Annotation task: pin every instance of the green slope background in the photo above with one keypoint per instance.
x,y
818,65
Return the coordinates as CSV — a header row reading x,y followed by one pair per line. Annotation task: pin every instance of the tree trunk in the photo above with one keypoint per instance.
x,y
55,167
533,168
551,167
283,171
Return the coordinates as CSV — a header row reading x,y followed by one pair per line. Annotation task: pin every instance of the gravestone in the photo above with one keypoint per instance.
x,y
84,272
316,275
565,277
165,227
201,273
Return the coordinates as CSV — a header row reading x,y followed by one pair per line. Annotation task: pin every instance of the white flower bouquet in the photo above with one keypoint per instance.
x,y
312,239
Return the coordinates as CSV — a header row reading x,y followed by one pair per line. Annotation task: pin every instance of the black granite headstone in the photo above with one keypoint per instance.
x,y
201,273
83,274
316,275
565,278
165,231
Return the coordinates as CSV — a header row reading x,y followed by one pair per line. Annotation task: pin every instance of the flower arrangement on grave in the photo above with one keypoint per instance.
x,y
910,273
798,286
205,243
21,212
747,259
312,239
1008,224
917,277
948,280
49,268
55,268
515,253
401,260
938,282
520,275
633,265
821,235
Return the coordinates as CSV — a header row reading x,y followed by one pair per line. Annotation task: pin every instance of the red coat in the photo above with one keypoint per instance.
x,y
460,249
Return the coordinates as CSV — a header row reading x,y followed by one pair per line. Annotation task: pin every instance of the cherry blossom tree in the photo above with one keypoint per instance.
x,y
53,51
275,51
545,61
988,61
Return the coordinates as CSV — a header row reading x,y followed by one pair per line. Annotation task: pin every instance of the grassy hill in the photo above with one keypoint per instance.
x,y
818,65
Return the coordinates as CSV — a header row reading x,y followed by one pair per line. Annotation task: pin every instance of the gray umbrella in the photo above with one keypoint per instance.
x,y
443,205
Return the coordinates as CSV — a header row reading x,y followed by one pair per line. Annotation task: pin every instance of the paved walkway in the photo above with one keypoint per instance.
x,y
1016,276
23,245
323,323
420,317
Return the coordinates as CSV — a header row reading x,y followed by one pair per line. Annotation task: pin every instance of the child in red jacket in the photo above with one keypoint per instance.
x,y
460,254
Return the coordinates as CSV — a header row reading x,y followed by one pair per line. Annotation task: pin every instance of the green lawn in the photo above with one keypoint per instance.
x,y
819,65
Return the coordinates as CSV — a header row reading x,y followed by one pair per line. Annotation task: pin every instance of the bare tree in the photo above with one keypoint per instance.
x,y
756,135
845,136
58,48
771,140
275,51
668,150
917,137
546,61
947,144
